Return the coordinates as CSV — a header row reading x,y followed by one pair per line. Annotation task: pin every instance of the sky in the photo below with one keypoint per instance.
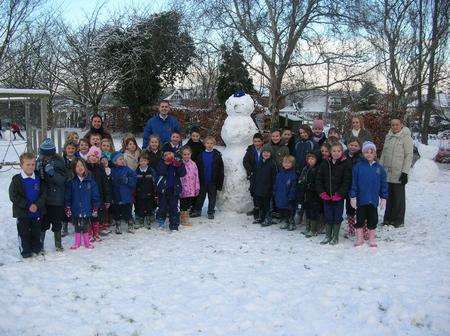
x,y
75,11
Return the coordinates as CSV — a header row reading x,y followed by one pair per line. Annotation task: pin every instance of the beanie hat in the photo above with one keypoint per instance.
x,y
47,147
267,148
239,93
116,156
94,151
367,145
318,123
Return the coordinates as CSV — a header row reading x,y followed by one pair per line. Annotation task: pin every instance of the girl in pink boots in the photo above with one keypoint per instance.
x,y
190,186
369,190
82,202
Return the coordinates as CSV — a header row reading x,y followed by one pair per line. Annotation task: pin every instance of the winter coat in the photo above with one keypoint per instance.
x,y
160,127
132,160
82,196
196,148
302,147
18,196
263,179
190,182
161,182
285,189
279,151
319,141
154,158
306,187
145,185
363,135
103,184
167,147
217,173
397,154
123,181
54,174
368,183
334,177
291,145
249,161
353,159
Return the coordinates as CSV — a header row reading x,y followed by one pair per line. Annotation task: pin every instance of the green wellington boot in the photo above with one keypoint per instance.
x,y
292,225
313,229
307,231
335,234
327,239
58,244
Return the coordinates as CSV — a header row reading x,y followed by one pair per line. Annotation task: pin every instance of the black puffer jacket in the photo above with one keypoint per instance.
x,y
249,161
307,185
103,183
55,181
145,185
334,177
263,179
196,148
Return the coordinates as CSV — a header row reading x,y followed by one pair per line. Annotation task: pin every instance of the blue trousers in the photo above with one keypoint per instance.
x,y
168,205
333,212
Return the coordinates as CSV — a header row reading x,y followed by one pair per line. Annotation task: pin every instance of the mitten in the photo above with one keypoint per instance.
x,y
176,163
336,197
49,169
403,178
325,196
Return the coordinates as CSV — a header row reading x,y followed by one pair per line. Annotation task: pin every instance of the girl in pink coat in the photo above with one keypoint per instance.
x,y
190,186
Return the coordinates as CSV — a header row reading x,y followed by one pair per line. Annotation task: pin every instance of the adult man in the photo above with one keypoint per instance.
x,y
162,125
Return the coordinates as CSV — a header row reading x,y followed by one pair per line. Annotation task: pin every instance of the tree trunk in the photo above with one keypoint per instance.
x,y
274,98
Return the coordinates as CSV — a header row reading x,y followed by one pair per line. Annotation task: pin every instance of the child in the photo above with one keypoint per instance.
x,y
27,195
368,186
144,203
104,227
190,186
82,202
211,175
107,147
195,144
98,173
174,145
279,150
332,184
308,196
83,149
318,135
288,138
53,173
131,153
285,192
123,181
73,136
170,170
303,146
353,154
70,149
95,139
252,159
261,187
334,133
154,152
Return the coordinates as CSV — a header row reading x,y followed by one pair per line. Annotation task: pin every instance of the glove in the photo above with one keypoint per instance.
x,y
107,205
336,197
403,178
94,213
353,202
68,212
123,180
176,163
49,169
325,196
382,203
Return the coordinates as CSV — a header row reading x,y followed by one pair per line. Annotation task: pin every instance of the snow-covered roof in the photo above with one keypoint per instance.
x,y
23,93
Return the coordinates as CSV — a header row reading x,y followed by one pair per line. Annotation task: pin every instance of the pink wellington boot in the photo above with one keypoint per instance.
x,y
77,242
359,237
87,242
372,241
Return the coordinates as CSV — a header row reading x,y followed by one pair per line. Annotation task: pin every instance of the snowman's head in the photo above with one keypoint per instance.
x,y
240,104
427,151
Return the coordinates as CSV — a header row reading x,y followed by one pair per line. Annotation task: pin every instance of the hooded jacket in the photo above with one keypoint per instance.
x,y
82,196
334,177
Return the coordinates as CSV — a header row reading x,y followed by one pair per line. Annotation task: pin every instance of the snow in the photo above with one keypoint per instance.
x,y
24,92
230,277
425,169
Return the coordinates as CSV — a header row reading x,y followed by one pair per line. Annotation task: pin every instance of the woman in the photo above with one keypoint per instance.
x,y
97,127
397,159
358,131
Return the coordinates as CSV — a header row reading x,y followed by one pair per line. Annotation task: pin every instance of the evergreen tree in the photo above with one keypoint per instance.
x,y
233,73
367,97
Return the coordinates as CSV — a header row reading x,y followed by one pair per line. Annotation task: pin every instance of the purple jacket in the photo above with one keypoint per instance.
x,y
190,182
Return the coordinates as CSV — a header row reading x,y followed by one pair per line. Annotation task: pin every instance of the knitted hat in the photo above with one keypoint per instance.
x,y
47,147
367,145
94,151
239,93
116,156
318,123
267,148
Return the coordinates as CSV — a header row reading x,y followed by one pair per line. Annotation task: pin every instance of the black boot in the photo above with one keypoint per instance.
x,y
328,232
65,229
313,229
291,223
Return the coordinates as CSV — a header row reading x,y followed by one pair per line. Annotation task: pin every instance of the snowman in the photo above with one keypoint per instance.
x,y
237,132
426,169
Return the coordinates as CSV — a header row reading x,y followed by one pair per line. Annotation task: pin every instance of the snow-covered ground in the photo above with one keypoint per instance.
x,y
230,277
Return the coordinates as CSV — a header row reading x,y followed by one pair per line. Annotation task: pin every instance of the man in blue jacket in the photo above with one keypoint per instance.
x,y
161,125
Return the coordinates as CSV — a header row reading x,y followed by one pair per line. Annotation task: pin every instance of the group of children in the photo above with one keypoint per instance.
x,y
95,188
315,176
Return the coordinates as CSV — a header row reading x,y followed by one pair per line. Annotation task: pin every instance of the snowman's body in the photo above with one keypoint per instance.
x,y
237,132
425,169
